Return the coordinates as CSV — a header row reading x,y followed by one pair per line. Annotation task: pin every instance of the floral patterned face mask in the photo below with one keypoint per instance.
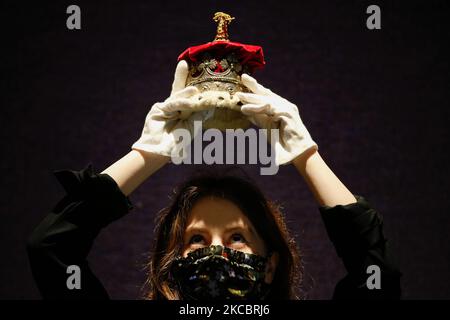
x,y
218,272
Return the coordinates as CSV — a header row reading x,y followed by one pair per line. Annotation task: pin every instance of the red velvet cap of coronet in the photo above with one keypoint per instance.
x,y
248,55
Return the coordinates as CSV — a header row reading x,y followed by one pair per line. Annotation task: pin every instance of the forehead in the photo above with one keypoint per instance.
x,y
213,212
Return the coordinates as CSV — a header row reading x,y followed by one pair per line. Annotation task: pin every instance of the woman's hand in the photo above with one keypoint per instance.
x,y
164,117
270,111
154,148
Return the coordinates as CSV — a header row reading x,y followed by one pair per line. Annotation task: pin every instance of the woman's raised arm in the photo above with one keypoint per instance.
x,y
270,111
156,144
134,168
61,242
326,187
353,226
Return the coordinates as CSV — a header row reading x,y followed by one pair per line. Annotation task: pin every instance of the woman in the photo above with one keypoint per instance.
x,y
220,238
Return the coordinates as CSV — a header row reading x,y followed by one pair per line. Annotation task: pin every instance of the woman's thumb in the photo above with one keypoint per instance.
x,y
181,74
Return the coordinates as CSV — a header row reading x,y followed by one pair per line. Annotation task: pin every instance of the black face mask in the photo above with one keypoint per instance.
x,y
218,272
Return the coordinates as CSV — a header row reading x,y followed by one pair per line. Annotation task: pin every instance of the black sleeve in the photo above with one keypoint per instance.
x,y
356,232
67,233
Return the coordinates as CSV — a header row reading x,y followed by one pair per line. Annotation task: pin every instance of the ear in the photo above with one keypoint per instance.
x,y
271,267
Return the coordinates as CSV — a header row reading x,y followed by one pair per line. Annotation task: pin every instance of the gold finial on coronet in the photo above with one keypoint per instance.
x,y
223,19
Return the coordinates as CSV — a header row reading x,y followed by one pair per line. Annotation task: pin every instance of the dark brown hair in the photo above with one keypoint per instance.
x,y
265,216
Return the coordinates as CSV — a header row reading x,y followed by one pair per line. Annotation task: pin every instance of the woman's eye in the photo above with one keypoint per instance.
x,y
237,237
196,239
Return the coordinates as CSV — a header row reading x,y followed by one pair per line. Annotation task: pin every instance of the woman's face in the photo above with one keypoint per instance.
x,y
217,221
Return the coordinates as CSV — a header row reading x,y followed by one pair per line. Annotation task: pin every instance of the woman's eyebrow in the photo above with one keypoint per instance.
x,y
239,228
196,229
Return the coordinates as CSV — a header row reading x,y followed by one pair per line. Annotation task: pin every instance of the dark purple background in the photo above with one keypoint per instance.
x,y
376,102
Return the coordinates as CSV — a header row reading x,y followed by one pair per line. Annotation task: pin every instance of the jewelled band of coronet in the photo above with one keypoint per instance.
x,y
213,79
230,75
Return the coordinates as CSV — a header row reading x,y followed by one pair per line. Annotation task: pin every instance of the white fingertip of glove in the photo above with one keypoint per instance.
x,y
270,111
181,74
254,86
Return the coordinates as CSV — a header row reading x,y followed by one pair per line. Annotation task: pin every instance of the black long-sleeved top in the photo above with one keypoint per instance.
x,y
92,201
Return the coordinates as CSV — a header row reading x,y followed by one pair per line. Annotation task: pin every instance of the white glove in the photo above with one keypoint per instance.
x,y
174,113
268,110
